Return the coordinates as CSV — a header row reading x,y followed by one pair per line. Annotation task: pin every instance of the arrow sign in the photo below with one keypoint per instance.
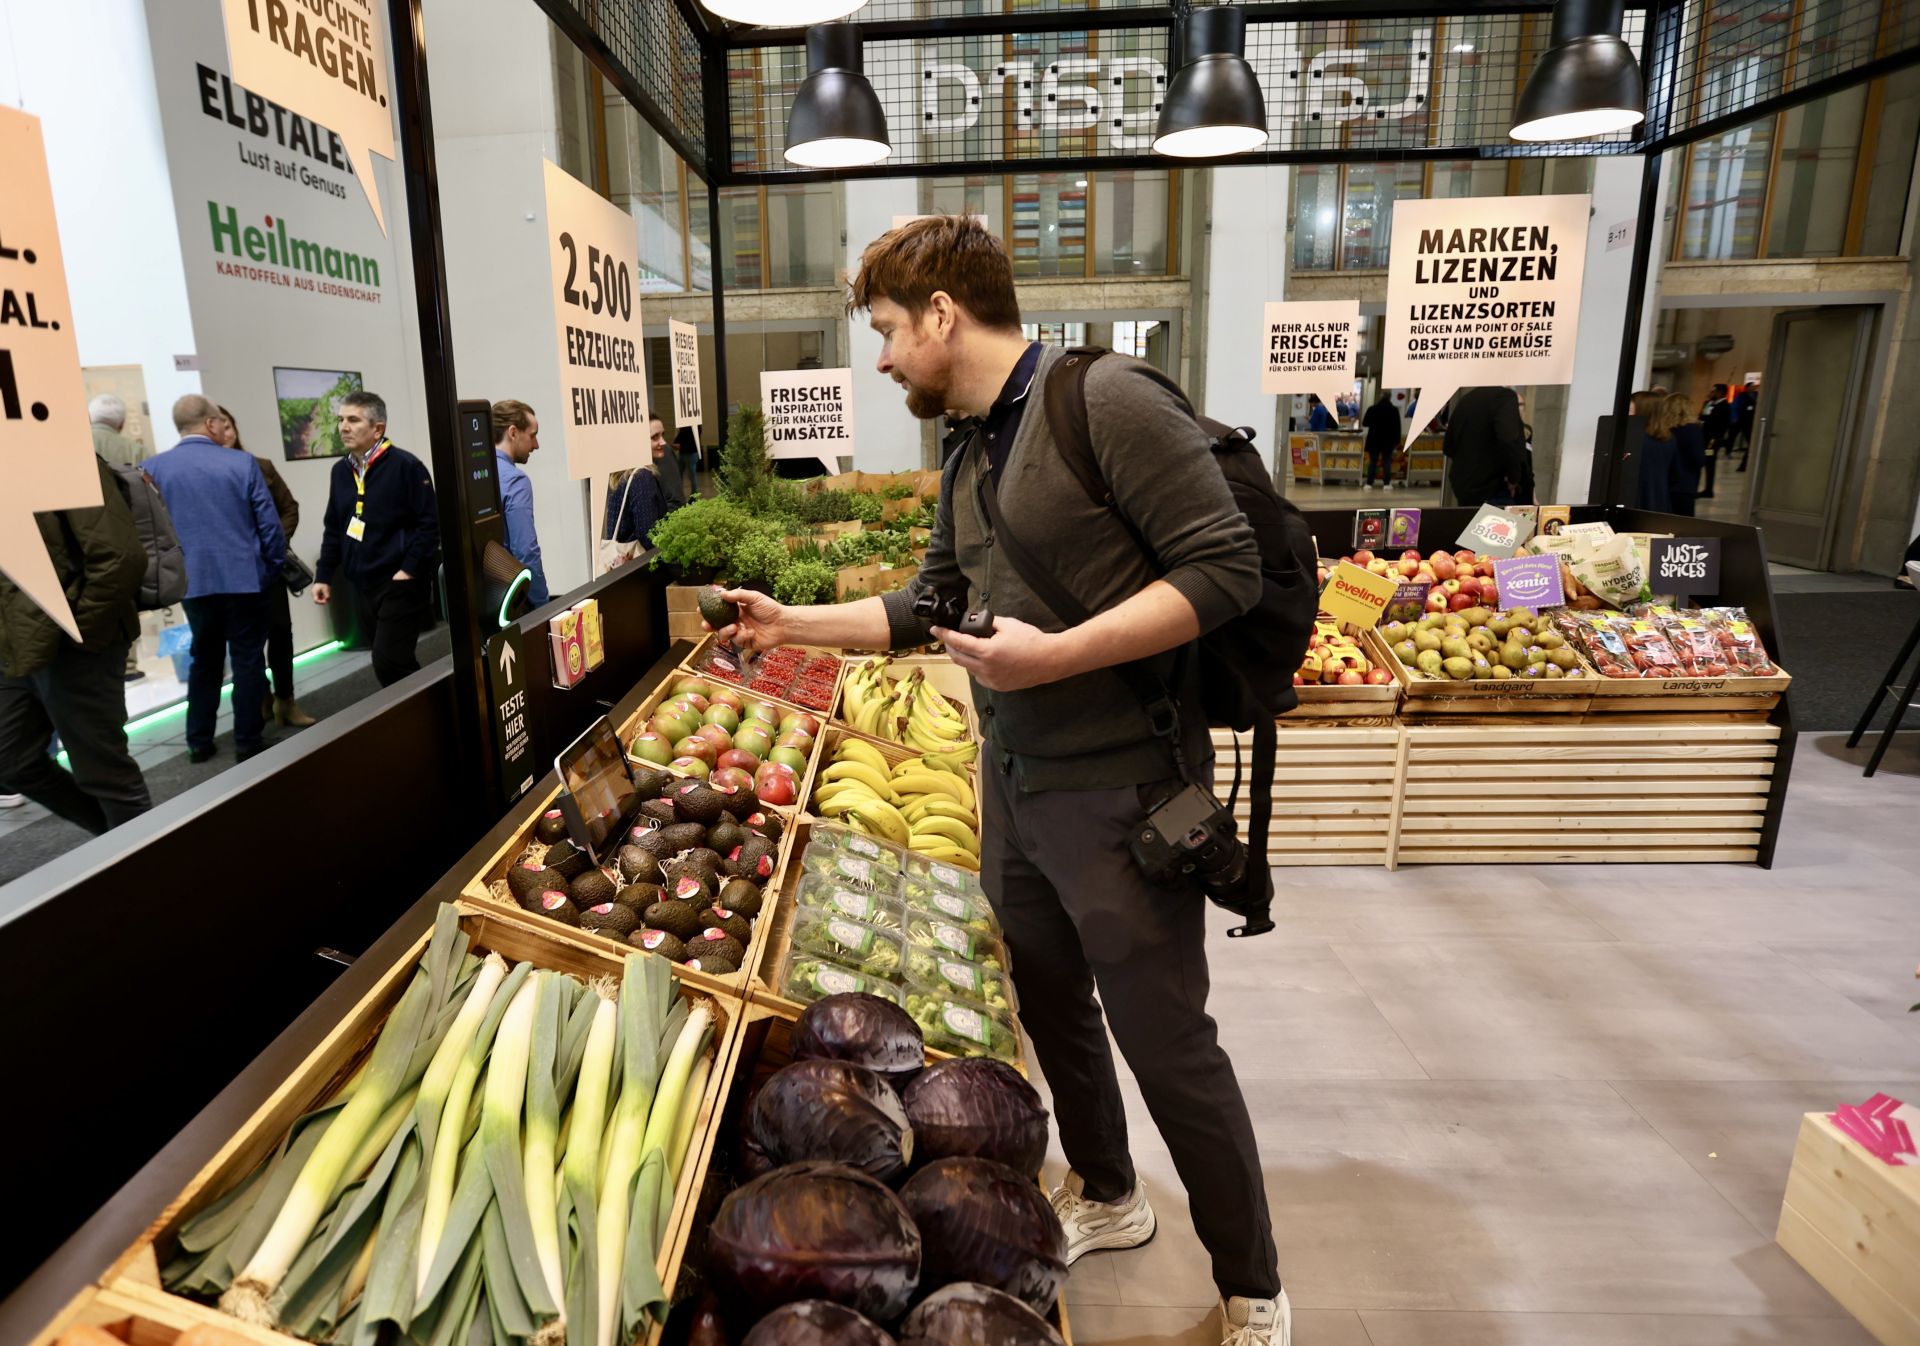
x,y
507,657
512,722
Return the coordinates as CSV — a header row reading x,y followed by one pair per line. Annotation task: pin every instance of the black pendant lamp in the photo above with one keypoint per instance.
x,y
781,13
1588,83
1214,105
836,121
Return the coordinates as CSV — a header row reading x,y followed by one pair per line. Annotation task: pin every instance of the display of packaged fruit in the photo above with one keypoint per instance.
x,y
849,870
832,837
807,978
970,911
787,671
938,874
1334,658
1735,633
961,1029
938,935
930,974
821,894
865,948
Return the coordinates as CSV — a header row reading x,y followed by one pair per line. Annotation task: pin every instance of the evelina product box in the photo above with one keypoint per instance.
x,y
591,636
569,650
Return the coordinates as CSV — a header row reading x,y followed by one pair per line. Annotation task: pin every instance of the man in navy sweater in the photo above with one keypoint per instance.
x,y
381,530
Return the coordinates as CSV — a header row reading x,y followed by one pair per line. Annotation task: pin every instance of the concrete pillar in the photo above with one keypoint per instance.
x,y
1246,266
1609,272
886,437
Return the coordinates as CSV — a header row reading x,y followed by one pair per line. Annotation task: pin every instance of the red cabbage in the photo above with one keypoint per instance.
x,y
967,1315
981,1221
867,1030
981,1107
816,1231
815,1322
831,1110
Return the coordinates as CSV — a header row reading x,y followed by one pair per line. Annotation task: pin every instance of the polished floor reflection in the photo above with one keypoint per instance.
x,y
1552,1106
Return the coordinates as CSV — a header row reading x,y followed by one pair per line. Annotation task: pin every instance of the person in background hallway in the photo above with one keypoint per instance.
x,y
1714,417
231,535
1486,447
1743,409
639,500
686,446
286,711
382,531
1318,417
1382,424
1904,580
109,417
1689,451
52,684
516,437
1656,452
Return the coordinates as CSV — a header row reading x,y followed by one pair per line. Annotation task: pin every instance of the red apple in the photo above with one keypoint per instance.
x,y
740,759
1352,678
799,719
1363,557
1468,585
1450,586
690,766
1408,568
697,747
716,735
1410,554
1461,602
1437,601
1444,566
652,747
1299,681
731,778
1377,677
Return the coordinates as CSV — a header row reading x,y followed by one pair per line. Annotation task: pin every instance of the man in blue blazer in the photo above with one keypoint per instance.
x,y
231,534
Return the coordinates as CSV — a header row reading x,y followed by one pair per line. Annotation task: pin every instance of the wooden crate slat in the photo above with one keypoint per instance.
x,y
1366,806
1418,770
1574,856
1376,826
1588,733
1592,806
1601,752
1640,841
1481,820
1875,1306
1858,1203
1311,859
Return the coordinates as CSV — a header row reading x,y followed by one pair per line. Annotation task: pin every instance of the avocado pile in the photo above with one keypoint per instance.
x,y
687,883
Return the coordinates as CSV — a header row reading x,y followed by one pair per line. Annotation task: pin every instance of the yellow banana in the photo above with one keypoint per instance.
x,y
941,724
859,750
875,716
951,829
954,762
832,790
883,819
859,771
950,854
841,805
925,782
940,806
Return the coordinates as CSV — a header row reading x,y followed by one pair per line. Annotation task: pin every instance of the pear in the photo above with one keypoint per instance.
x,y
1536,657
1555,671
1426,640
1458,668
1550,640
1483,669
1428,662
1513,656
1499,626
1475,616
1481,641
1501,672
1405,652
1563,658
1394,632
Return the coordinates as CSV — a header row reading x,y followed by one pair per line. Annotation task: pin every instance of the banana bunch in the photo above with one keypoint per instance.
x,y
905,710
925,804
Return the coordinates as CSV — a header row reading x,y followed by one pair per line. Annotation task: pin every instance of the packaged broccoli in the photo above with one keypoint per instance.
x,y
931,974
942,936
960,1029
878,909
971,912
855,944
807,978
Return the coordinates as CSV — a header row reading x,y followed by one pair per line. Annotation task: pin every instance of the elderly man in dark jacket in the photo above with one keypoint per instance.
x,y
51,683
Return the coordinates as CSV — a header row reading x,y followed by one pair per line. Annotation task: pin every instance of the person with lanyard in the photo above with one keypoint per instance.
x,y
382,532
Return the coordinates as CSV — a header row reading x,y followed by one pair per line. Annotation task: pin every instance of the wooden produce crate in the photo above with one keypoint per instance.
x,y
1636,696
1853,1223
707,640
763,1045
938,674
1429,698
1553,792
140,1316
1374,703
1333,791
135,1274
633,724
894,753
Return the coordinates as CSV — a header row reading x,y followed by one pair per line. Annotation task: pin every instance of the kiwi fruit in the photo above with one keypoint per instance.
x,y
639,896
723,836
740,897
696,802
699,861
638,865
530,877
714,940
740,804
552,827
650,781
591,889
764,822
536,900
679,919
610,918
713,964
715,610
569,859
559,907
667,946
659,811
719,918
681,837
691,889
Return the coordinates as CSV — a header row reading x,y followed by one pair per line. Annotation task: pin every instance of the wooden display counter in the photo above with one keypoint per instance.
x,y
1854,1223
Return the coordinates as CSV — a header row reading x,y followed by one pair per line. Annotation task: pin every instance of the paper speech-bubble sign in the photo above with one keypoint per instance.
x,y
46,445
1482,290
322,59
1310,348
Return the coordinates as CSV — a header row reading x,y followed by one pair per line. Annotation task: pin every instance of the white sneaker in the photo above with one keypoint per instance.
x,y
1256,1322
1099,1226
12,801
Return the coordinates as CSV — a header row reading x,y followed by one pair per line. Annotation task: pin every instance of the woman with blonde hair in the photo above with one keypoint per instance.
x,y
1689,451
1656,453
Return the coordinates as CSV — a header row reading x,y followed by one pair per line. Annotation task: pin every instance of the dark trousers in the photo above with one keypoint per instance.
x,y
82,696
280,640
401,609
1380,462
227,627
1080,918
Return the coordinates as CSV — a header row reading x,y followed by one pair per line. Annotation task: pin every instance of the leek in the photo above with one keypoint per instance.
x,y
500,1143
581,1170
542,1137
640,1015
682,1140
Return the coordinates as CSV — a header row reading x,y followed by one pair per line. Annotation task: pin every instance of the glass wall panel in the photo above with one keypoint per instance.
x,y
1819,145
1049,224
1316,216
803,234
1130,217
1726,193
1366,226
1470,177
740,259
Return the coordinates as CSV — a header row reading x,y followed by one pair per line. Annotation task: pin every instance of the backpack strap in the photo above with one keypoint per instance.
x,y
1066,403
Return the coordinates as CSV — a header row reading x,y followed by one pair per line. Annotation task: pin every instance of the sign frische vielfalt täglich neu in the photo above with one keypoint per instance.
x,y
507,693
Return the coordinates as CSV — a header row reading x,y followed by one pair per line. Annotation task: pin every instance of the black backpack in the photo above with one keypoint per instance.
x,y
1247,664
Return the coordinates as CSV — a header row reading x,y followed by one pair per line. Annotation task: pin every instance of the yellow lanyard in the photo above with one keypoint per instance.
x,y
360,477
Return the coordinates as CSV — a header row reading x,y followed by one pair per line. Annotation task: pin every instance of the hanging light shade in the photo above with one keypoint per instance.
x,y
836,121
781,13
1214,105
1588,83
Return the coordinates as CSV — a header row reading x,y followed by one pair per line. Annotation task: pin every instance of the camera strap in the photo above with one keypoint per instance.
x,y
1163,713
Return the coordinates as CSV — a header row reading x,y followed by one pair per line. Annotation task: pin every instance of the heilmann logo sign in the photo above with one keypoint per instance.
x,y
1120,97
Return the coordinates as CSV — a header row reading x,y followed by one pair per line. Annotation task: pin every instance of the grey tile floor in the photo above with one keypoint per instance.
x,y
1552,1106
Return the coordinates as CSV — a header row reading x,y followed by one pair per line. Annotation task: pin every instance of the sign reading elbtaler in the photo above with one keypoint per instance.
x,y
46,447
809,413
1482,290
684,341
325,60
595,252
